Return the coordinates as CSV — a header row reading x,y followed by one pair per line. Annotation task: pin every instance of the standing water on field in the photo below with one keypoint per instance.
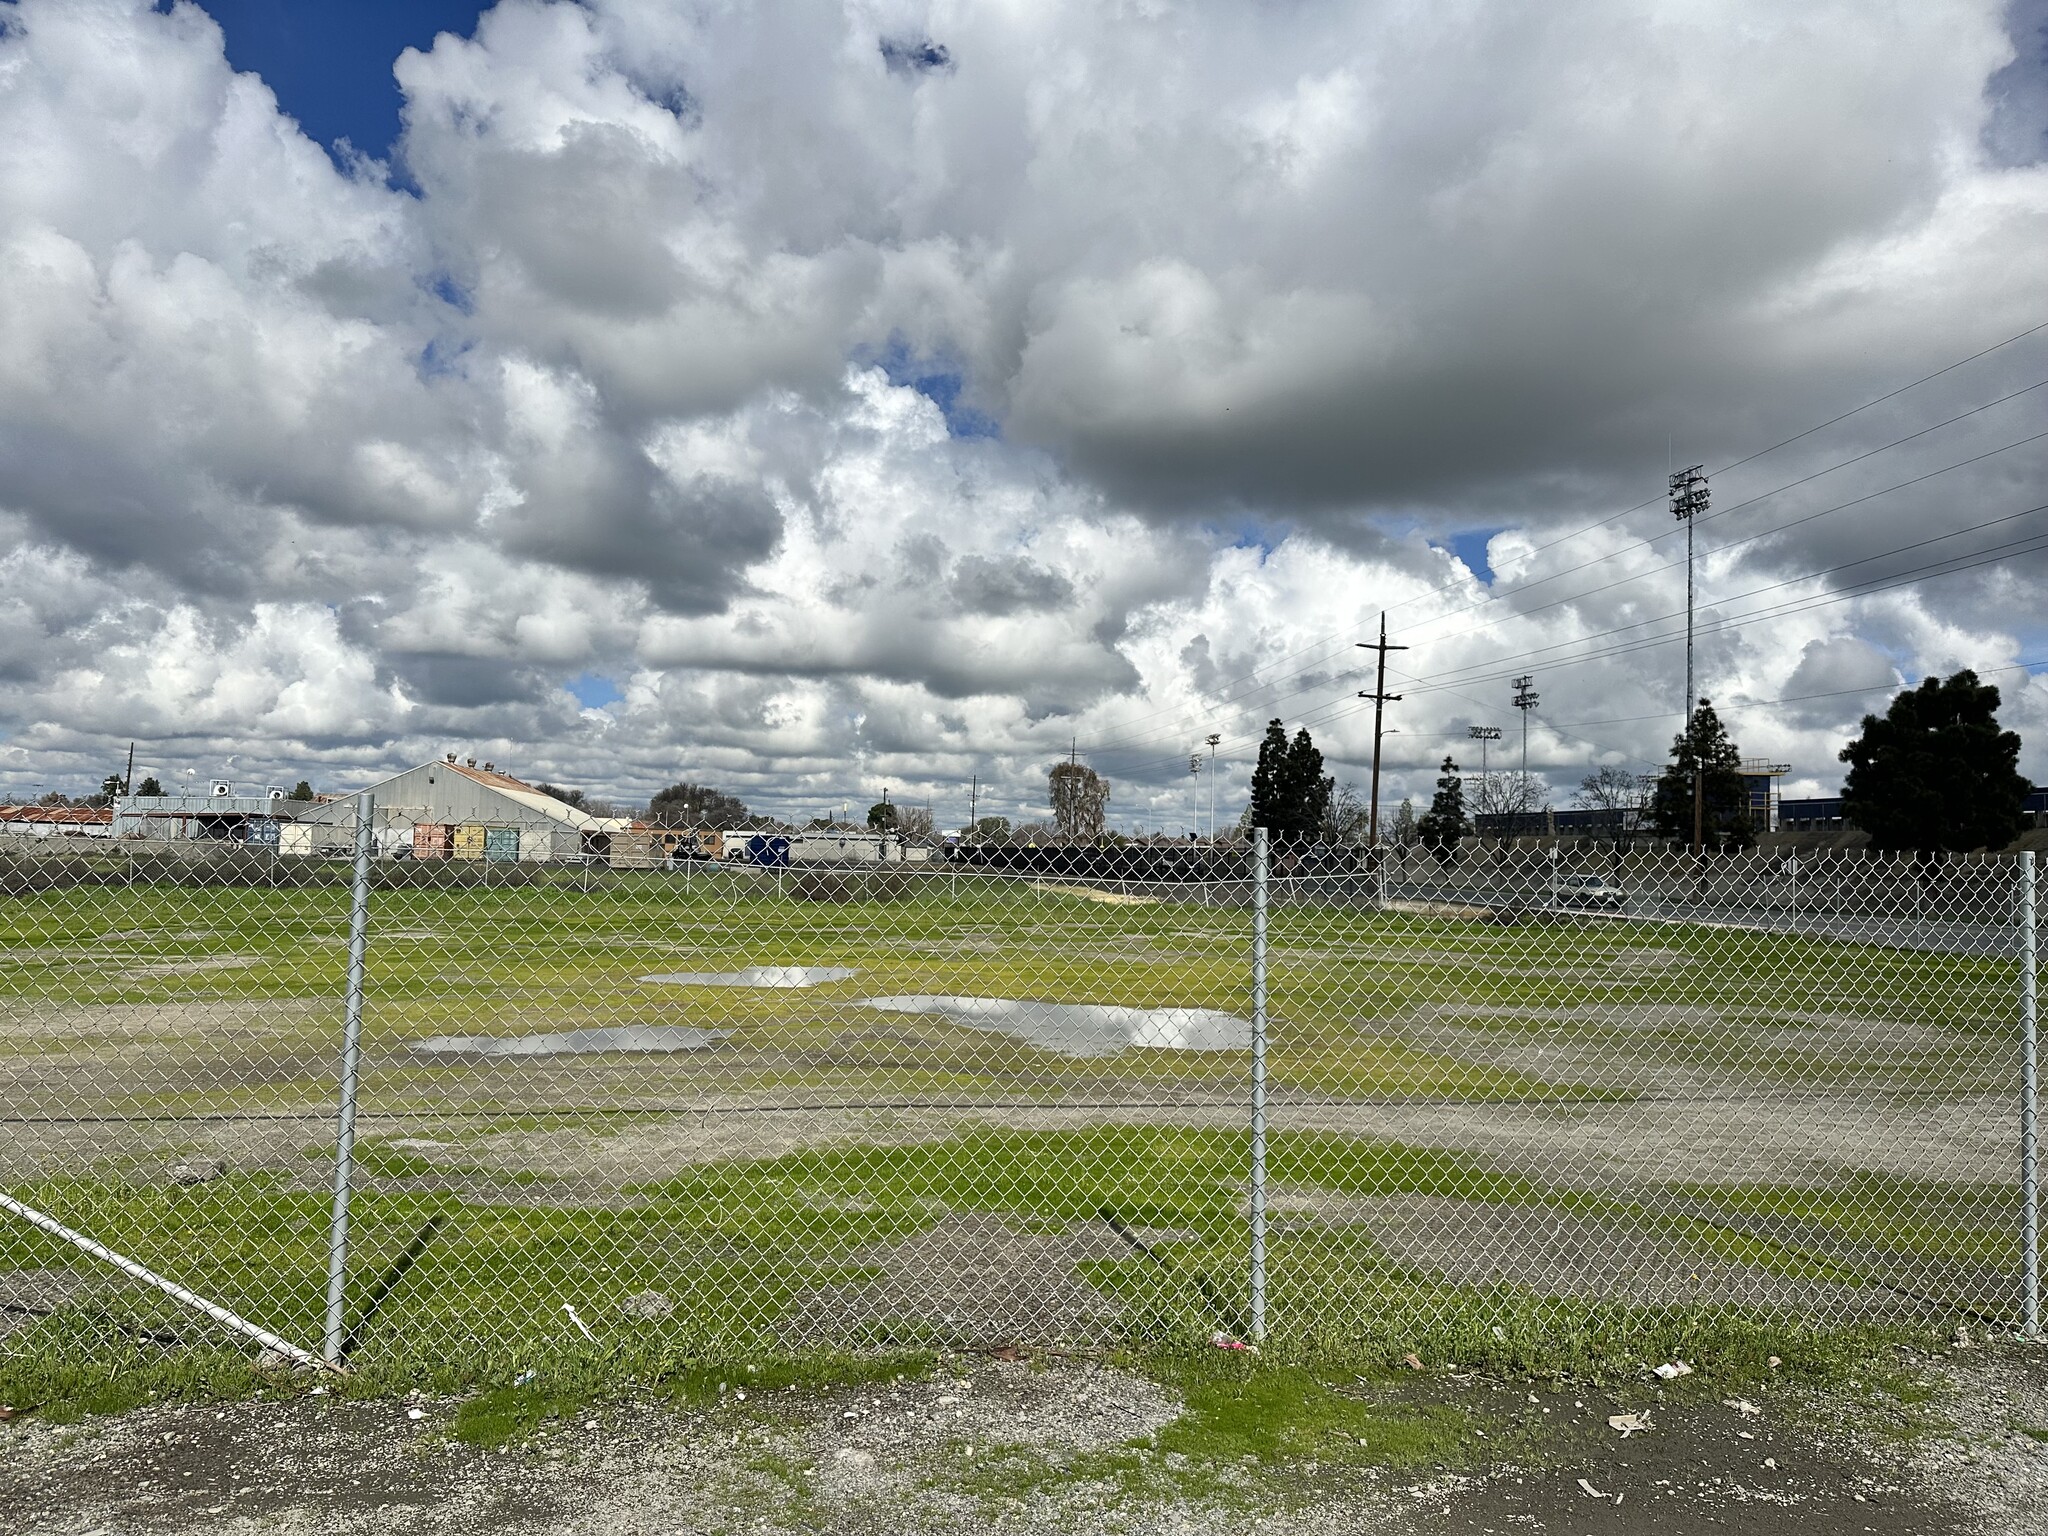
x,y
758,976
1085,1029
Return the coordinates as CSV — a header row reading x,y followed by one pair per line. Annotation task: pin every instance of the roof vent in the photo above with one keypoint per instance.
x,y
451,757
490,767
469,762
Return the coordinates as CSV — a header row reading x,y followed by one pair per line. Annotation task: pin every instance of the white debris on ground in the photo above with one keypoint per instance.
x,y
984,1445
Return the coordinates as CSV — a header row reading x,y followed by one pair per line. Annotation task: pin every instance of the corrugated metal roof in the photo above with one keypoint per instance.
x,y
59,815
534,800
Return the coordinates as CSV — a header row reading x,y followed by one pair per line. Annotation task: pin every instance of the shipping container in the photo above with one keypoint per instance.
x,y
501,845
430,840
468,841
262,832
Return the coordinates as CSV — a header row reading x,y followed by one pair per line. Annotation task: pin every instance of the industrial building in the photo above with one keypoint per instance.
x,y
457,809
1823,813
218,816
56,820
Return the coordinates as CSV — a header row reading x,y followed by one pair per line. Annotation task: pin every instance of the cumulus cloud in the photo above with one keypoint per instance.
x,y
878,391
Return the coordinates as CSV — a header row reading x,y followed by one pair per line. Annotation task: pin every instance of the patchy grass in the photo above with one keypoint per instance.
x,y
734,1245
1249,1431
1347,984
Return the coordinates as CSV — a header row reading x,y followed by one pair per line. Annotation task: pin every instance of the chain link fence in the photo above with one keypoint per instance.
x,y
475,1093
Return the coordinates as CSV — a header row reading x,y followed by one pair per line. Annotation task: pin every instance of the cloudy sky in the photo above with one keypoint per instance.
x,y
822,396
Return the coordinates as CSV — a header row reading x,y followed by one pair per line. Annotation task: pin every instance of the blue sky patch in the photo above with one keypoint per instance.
x,y
329,61
594,691
938,381
1471,548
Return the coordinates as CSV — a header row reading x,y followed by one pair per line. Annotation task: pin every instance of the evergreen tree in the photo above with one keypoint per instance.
x,y
1290,792
1445,822
882,817
301,791
1936,774
1724,794
149,786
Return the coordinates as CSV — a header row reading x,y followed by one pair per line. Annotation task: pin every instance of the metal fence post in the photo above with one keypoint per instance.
x,y
1258,1307
2030,1193
351,1049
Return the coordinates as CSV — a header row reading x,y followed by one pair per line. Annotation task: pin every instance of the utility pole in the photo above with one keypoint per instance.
x,y
1214,742
1525,700
1689,498
973,803
128,779
1380,700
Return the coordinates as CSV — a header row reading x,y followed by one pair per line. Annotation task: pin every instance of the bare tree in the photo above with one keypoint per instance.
x,y
1508,794
1622,794
1348,818
1079,797
1403,833
914,823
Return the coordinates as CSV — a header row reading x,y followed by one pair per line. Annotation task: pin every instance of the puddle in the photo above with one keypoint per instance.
x,y
759,976
577,1042
1085,1029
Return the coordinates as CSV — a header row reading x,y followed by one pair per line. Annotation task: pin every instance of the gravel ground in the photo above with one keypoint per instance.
x,y
947,1455
1790,1136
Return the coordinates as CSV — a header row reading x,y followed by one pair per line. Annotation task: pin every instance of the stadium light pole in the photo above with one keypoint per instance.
x,y
1483,734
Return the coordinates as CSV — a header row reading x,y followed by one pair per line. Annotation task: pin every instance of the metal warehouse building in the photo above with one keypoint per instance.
x,y
454,809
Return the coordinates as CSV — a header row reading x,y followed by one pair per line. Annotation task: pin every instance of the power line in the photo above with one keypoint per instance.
x,y
1339,710
1329,644
1580,596
1480,670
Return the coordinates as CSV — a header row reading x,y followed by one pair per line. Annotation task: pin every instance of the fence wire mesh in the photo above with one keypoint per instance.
x,y
624,1094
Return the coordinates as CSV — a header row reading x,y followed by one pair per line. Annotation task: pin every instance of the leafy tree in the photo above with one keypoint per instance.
x,y
110,789
301,791
55,797
882,817
570,797
1723,792
1444,824
990,829
1936,774
1290,793
149,786
1079,796
696,805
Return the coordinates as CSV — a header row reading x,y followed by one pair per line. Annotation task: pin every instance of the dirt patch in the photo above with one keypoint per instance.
x,y
972,1280
112,1025
198,967
1561,1253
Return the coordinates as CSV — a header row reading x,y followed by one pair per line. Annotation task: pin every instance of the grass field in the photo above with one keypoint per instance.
x,y
1603,1139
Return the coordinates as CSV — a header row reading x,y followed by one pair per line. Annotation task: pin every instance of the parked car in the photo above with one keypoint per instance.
x,y
1591,893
